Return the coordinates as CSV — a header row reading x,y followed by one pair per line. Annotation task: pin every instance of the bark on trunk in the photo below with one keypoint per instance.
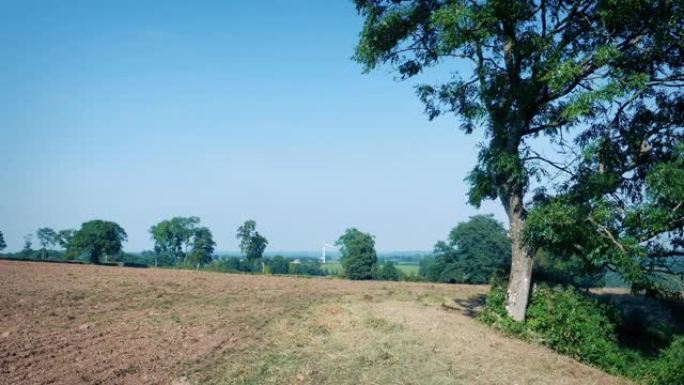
x,y
520,279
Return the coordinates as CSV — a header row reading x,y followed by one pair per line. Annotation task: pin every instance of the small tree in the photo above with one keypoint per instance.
x,y
359,259
97,239
252,244
28,243
278,264
47,237
389,272
3,245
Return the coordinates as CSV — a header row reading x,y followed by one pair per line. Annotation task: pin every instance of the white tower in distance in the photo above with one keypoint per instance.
x,y
323,251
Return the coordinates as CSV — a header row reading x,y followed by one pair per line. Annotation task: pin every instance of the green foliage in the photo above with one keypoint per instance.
x,y
230,264
565,320
202,247
274,265
278,264
28,243
359,259
64,237
389,272
3,245
572,270
47,237
633,226
173,237
425,265
252,244
180,240
472,253
600,81
98,238
575,324
311,268
668,368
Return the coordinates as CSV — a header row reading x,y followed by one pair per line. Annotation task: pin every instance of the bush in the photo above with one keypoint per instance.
x,y
494,312
576,325
668,368
573,323
389,272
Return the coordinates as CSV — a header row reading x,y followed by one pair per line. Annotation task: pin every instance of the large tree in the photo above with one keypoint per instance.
x,y
98,238
359,259
173,237
607,73
472,253
3,245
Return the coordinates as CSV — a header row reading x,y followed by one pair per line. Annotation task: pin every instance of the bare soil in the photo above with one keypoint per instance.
x,y
72,324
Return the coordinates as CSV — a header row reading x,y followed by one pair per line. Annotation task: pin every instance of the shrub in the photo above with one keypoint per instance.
x,y
573,323
494,312
389,272
576,325
668,368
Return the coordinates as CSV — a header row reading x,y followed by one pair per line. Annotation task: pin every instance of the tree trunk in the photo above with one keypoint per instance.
x,y
520,279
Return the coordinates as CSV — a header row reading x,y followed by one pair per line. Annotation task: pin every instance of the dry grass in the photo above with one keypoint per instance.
x,y
86,324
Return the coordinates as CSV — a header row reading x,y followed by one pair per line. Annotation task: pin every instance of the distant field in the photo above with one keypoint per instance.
x,y
84,324
406,268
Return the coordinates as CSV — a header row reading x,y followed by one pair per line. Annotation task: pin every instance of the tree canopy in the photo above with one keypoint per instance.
x,y
202,247
64,237
600,81
98,238
472,253
47,237
252,244
172,237
359,259
3,245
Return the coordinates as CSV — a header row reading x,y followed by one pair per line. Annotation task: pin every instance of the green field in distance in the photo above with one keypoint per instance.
x,y
406,268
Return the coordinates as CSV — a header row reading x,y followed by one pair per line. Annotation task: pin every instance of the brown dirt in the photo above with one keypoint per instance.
x,y
65,324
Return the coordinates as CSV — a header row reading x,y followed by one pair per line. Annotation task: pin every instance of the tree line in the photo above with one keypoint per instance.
x,y
474,251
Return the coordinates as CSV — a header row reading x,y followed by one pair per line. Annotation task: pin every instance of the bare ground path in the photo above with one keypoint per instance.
x,y
64,324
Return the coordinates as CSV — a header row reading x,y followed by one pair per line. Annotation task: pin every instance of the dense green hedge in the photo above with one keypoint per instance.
x,y
575,324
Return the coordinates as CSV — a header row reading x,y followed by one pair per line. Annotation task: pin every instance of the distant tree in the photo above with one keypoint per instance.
x,y
389,272
3,245
28,243
278,264
64,237
173,237
425,265
595,80
252,244
98,238
47,237
306,267
359,259
473,252
202,247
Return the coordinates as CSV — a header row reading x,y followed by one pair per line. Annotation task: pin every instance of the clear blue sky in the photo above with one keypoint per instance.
x,y
136,111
